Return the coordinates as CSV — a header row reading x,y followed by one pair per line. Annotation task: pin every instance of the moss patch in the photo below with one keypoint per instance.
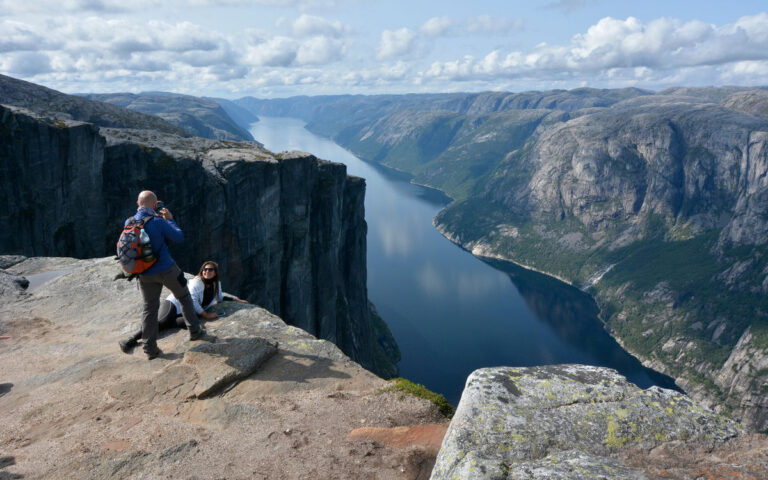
x,y
417,390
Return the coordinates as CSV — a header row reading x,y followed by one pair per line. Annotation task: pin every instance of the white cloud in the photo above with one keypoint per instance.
x,y
319,50
628,49
308,25
276,52
16,36
437,26
86,52
26,63
395,43
398,71
185,36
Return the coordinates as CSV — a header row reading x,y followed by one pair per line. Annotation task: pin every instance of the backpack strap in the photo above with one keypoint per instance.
x,y
124,276
142,222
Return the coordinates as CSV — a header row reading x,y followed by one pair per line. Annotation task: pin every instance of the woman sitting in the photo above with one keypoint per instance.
x,y
205,289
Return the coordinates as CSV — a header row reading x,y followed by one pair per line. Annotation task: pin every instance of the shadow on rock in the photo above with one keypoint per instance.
x,y
170,355
7,462
296,367
4,388
228,360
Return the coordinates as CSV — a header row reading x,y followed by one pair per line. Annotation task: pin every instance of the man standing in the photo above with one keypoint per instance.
x,y
164,272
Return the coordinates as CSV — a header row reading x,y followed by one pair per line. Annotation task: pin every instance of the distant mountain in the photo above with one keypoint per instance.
x,y
242,116
657,204
339,116
56,105
201,117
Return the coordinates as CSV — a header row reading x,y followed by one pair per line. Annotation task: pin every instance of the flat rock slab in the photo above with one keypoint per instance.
x,y
428,436
566,421
221,413
175,381
226,361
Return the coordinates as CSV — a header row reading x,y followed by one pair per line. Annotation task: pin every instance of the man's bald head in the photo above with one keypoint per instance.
x,y
147,199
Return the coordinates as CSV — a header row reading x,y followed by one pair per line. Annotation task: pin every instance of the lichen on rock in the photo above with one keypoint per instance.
x,y
566,421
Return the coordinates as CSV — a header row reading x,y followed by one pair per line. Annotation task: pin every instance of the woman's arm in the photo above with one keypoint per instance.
x,y
196,287
227,298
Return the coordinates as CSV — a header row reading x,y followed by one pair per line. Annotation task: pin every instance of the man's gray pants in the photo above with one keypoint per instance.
x,y
151,287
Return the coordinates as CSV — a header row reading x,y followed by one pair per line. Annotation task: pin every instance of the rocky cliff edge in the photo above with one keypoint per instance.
x,y
583,422
265,400
288,230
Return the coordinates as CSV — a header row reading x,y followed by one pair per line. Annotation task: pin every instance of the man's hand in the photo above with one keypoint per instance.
x,y
166,214
209,316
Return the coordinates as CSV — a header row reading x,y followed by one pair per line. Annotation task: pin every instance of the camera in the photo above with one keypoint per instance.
x,y
159,207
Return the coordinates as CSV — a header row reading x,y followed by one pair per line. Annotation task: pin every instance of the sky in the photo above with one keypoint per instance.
x,y
281,48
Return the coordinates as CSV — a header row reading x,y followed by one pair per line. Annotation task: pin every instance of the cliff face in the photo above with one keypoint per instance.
x,y
288,231
691,166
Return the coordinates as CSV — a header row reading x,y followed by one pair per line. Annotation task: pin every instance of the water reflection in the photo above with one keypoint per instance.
x,y
449,312
574,315
394,241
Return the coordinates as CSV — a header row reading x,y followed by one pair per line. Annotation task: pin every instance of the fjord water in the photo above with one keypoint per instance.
x,y
450,312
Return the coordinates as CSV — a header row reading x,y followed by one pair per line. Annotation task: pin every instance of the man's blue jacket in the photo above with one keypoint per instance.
x,y
159,230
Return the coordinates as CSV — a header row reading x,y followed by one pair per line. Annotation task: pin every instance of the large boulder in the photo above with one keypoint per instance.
x,y
571,421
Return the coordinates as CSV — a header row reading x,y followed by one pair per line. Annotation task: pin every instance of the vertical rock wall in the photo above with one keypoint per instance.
x,y
288,231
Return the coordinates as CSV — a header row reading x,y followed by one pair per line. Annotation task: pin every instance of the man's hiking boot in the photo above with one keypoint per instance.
x,y
127,345
198,335
152,352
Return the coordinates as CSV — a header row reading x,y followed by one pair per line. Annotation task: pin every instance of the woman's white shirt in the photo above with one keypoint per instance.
x,y
196,289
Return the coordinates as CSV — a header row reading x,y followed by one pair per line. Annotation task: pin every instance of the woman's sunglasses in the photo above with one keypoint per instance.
x,y
209,269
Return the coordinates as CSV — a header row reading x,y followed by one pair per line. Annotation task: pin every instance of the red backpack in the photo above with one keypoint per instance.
x,y
134,252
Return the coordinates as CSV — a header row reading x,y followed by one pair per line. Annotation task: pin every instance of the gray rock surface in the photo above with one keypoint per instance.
x,y
569,421
227,361
288,231
264,400
12,285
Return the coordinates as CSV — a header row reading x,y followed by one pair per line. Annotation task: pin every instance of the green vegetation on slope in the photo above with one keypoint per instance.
x,y
418,390
655,289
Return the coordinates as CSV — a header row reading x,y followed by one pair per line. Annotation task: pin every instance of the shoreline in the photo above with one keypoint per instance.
x,y
646,362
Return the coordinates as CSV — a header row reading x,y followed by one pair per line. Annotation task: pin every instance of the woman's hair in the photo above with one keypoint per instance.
x,y
215,279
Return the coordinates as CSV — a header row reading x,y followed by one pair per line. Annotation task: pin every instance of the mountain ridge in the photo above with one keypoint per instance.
x,y
201,117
